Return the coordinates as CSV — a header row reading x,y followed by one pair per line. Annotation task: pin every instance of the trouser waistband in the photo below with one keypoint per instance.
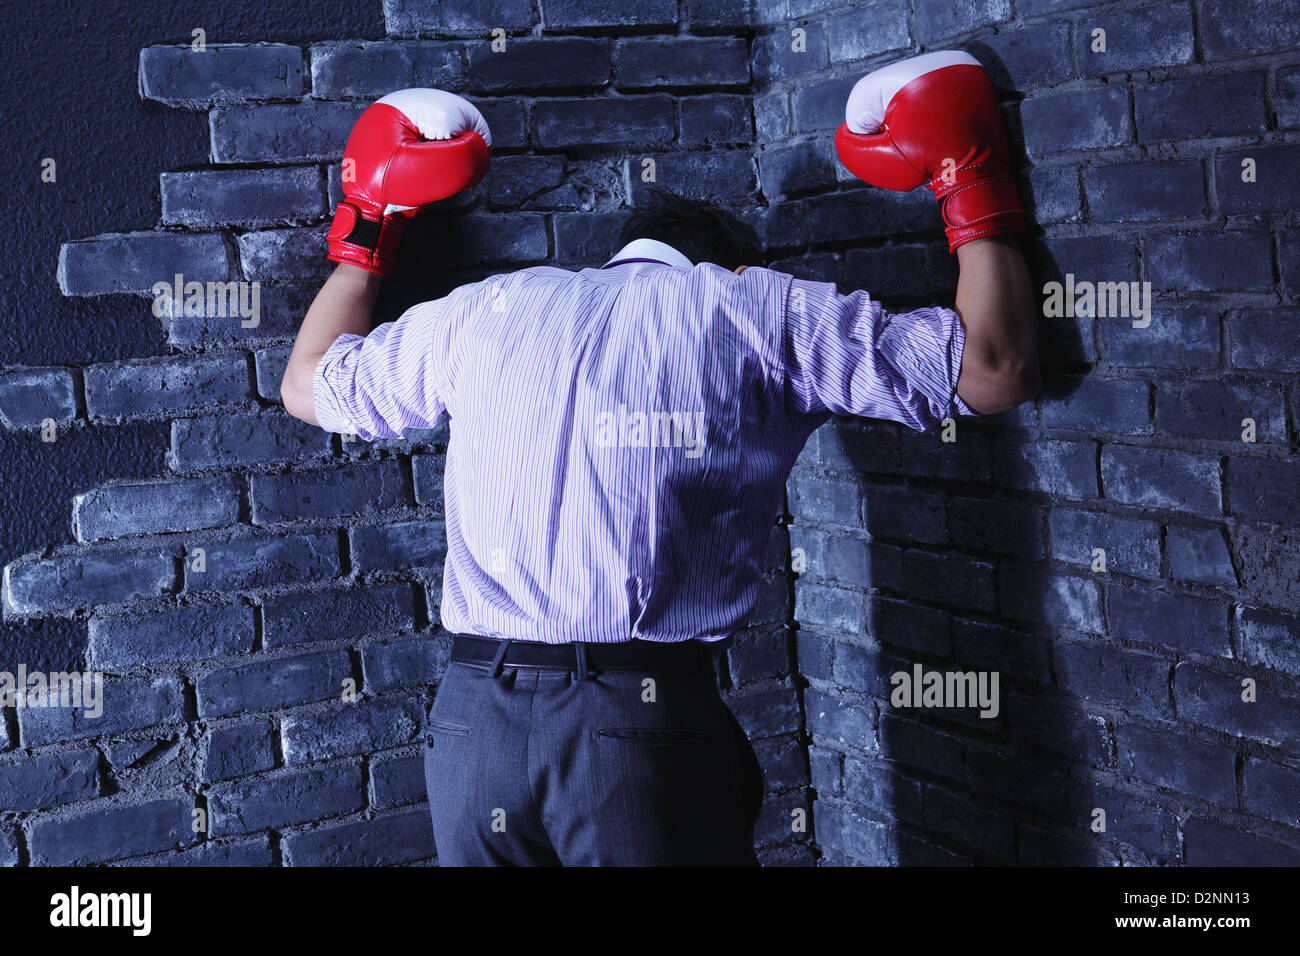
x,y
584,657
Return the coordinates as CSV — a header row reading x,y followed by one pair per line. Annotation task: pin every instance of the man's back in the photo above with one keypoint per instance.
x,y
618,450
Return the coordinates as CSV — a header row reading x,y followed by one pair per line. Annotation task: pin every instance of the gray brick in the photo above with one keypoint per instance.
x,y
1157,478
397,781
1028,57
221,73
789,168
46,780
550,63
132,508
1062,468
1200,106
719,175
372,69
405,544
1274,187
273,683
921,745
714,119
1059,728
270,312
29,396
1236,28
585,14
1213,698
136,261
1264,339
775,57
284,799
1218,262
1172,761
383,841
39,586
1269,639
1178,337
1143,191
658,63
361,488
179,634
1101,404
944,20
1264,489
863,33
125,705
270,364
1132,545
242,196
1139,683
1136,39
1212,844
427,471
1130,819
349,728
1031,594
337,613
284,254
1272,791
285,133
412,663
608,121
477,17
849,722
1215,410
166,386
237,750
110,833
245,440
1200,555
263,561
1052,121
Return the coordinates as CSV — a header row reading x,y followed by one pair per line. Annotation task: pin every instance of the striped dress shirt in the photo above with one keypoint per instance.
x,y
620,436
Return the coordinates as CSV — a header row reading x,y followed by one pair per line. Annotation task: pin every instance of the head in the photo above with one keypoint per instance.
x,y
701,231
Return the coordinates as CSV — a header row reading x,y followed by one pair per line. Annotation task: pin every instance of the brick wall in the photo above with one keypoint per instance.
x,y
1121,688
234,581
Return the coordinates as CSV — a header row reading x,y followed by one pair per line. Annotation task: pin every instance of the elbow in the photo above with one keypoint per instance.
x,y
1000,387
296,394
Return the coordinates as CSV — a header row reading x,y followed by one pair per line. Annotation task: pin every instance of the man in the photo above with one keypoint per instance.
x,y
620,438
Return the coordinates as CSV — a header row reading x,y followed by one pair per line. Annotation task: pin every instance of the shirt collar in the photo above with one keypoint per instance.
x,y
653,249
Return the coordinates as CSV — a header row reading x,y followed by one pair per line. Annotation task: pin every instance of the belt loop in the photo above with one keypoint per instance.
x,y
580,651
500,656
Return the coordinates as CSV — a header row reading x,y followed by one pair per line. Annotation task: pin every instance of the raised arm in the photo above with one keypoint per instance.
x,y
344,305
933,120
999,367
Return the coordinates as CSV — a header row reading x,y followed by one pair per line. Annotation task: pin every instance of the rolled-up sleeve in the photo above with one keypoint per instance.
x,y
386,383
846,355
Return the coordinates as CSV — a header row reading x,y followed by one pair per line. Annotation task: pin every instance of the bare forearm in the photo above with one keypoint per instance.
x,y
344,304
996,303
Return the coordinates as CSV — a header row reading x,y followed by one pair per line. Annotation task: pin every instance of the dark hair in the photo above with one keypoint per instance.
x,y
701,231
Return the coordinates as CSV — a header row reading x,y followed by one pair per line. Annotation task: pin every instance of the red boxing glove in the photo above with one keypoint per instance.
x,y
933,119
408,149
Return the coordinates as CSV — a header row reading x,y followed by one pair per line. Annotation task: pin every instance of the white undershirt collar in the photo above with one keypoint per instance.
x,y
644,248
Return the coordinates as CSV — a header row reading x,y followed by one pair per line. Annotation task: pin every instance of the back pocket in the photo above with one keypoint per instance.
x,y
442,727
665,735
